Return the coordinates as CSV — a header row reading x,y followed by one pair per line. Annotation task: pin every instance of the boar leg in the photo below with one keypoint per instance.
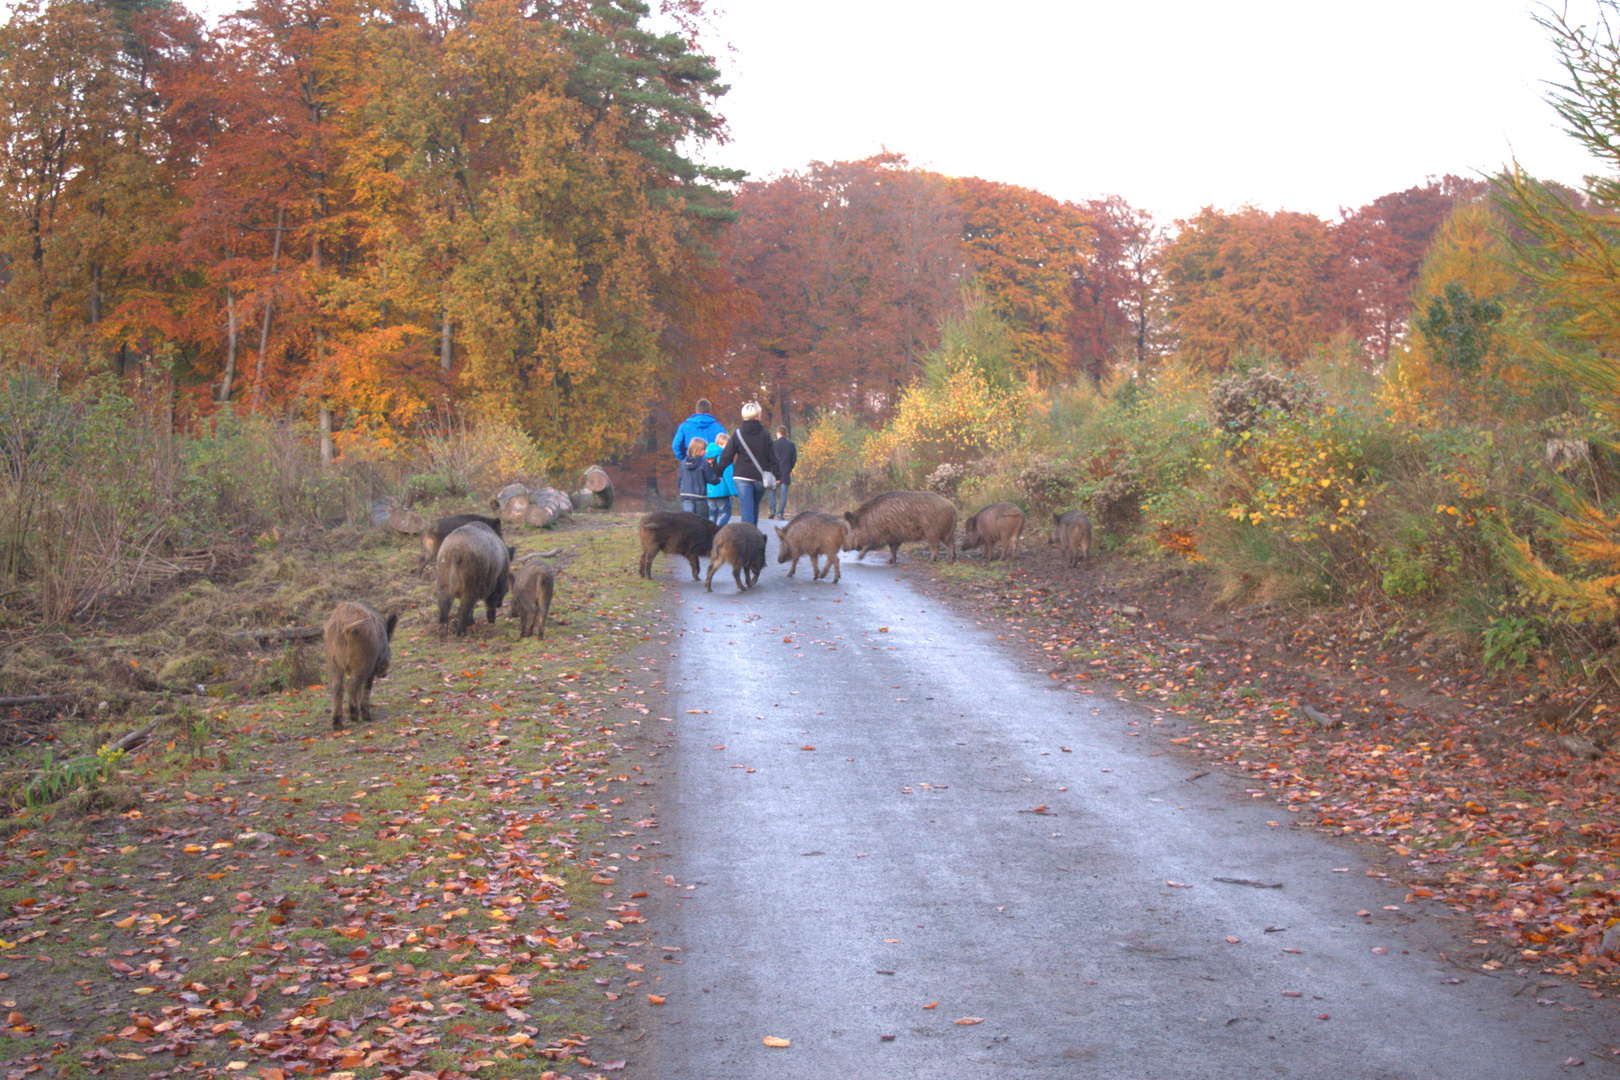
x,y
337,700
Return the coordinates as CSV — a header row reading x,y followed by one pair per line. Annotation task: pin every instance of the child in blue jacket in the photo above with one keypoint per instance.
x,y
720,493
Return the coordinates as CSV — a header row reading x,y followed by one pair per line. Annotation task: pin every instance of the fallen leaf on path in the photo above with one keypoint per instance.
x,y
970,1020
772,1040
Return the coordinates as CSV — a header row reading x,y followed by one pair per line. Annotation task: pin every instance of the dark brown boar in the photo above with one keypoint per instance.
x,y
1071,531
357,640
435,533
897,517
675,532
533,583
999,524
474,565
743,546
814,534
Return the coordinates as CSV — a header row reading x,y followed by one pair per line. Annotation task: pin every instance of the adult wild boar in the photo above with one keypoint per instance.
x,y
997,524
1071,531
814,534
675,532
897,517
743,546
356,656
533,583
474,565
435,533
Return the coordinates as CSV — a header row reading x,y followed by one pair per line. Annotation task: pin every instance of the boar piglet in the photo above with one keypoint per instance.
x,y
533,583
474,566
814,534
675,532
1071,531
743,546
997,525
357,640
898,517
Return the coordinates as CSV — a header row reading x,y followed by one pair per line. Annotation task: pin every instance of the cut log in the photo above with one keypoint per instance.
x,y
510,491
514,507
406,521
600,485
546,507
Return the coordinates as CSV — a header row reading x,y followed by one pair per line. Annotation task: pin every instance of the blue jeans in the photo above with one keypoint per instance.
x,y
695,504
749,495
720,510
779,498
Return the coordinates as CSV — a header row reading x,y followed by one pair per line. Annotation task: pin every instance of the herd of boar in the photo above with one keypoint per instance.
x,y
887,520
475,566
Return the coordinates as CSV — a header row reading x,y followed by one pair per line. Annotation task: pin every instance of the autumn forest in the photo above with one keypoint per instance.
x,y
399,224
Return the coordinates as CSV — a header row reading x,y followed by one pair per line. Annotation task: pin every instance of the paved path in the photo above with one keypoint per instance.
x,y
886,823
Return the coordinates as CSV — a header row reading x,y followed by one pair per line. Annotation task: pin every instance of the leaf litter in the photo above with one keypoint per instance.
x,y
440,893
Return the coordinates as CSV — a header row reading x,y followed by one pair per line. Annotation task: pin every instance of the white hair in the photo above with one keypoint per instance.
x,y
750,410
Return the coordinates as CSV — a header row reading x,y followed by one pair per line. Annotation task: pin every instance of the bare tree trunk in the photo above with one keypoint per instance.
x,y
326,433
445,342
269,304
230,347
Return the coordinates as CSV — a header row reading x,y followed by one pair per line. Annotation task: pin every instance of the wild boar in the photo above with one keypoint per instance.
x,y
474,565
1071,531
435,533
997,524
814,534
533,583
743,546
897,517
675,532
357,640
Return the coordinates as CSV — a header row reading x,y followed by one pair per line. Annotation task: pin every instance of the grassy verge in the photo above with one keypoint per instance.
x,y
436,893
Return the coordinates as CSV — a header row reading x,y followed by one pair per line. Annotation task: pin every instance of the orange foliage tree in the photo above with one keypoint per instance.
x,y
1027,250
1247,281
851,265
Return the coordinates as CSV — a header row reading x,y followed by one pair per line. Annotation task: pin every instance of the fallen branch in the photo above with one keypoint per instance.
x,y
285,633
1247,881
131,740
34,699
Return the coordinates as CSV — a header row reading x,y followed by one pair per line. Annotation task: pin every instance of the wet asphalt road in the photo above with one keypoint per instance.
x,y
883,823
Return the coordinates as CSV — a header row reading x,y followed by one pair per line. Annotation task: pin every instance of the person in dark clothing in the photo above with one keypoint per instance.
x,y
749,454
696,476
787,455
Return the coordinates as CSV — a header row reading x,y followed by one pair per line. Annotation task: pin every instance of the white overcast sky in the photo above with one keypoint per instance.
x,y
1172,104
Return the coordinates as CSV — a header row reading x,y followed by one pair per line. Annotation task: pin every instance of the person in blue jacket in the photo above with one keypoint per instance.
x,y
700,425
720,494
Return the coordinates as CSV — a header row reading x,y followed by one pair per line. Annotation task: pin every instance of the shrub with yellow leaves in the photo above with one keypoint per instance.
x,y
957,419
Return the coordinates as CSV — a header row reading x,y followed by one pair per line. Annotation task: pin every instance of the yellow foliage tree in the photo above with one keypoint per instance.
x,y
1468,252
1572,256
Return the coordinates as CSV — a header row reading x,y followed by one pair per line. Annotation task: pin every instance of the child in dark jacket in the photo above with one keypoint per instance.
x,y
697,473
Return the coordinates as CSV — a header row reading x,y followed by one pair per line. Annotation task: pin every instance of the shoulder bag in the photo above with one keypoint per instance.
x,y
766,477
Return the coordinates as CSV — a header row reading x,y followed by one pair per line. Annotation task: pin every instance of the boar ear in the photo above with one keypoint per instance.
x,y
781,533
393,621
511,553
